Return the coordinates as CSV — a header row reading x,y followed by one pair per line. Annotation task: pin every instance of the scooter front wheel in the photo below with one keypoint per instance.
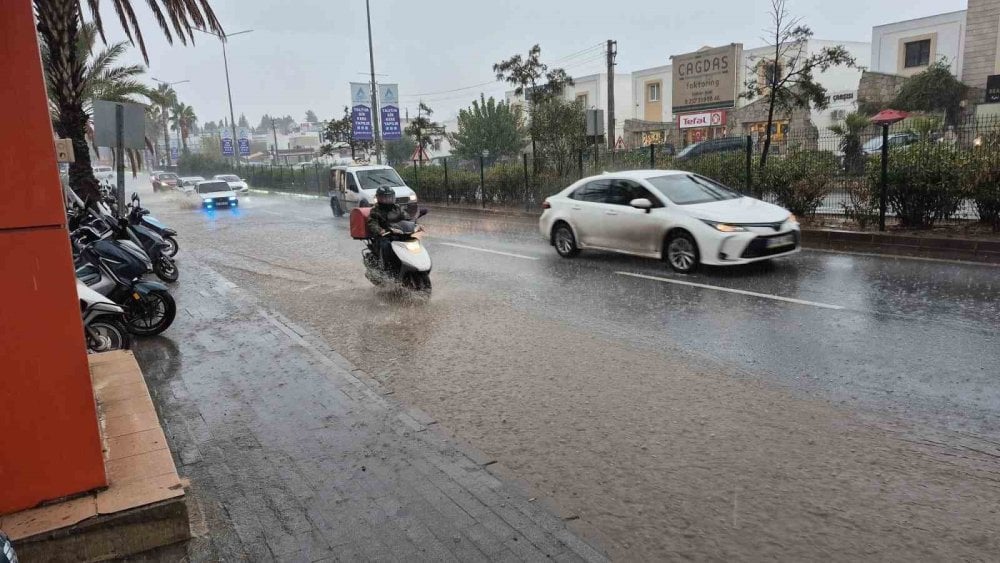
x,y
166,269
150,314
105,334
172,246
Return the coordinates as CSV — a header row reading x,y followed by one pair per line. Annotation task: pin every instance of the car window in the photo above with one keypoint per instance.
x,y
598,191
208,187
690,150
686,189
227,178
351,184
168,176
624,191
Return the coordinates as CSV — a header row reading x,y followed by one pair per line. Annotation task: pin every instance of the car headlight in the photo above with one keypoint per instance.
x,y
724,227
232,198
206,201
413,199
793,219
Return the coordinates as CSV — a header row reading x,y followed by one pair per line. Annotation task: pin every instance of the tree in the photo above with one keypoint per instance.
x,y
264,126
341,131
850,141
788,80
242,122
560,128
165,97
311,116
488,125
525,73
182,120
59,25
425,132
933,90
399,151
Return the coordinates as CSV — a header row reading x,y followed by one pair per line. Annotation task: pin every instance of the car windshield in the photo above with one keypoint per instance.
x,y
687,189
168,176
688,149
373,179
209,187
227,178
873,144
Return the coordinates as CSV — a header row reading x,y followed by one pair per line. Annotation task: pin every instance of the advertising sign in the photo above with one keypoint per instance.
x,y
243,141
361,112
706,79
388,101
704,119
134,132
993,89
226,142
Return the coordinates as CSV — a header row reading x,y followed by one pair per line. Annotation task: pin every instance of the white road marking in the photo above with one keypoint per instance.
x,y
512,255
739,291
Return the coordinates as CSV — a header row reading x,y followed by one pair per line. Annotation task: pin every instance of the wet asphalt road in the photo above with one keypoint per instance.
x,y
682,420
920,339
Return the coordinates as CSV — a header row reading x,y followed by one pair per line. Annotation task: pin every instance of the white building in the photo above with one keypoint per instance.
x,y
651,94
908,47
592,91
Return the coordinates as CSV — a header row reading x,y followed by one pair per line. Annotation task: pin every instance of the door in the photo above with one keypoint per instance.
x,y
351,193
587,206
629,229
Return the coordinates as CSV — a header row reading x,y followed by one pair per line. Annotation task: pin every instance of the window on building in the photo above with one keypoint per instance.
x,y
918,53
767,72
583,99
838,115
653,92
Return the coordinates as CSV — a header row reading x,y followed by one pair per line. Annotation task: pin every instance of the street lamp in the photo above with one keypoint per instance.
x,y
163,116
229,91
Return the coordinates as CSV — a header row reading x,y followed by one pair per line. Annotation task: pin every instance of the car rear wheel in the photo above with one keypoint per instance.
x,y
564,241
682,253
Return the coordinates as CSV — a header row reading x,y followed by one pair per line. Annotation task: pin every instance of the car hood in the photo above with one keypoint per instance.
x,y
237,184
739,210
401,191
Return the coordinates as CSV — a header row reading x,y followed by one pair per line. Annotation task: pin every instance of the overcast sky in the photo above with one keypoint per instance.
x,y
302,53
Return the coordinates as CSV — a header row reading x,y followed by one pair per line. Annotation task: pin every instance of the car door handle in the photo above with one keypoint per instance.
x,y
611,213
575,207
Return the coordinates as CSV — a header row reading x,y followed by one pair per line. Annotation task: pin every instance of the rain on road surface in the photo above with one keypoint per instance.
x,y
825,403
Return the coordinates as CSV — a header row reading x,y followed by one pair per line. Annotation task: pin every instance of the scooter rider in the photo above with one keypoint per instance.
x,y
381,218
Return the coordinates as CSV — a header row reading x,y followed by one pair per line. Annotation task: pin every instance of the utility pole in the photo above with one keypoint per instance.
x,y
274,131
371,61
612,52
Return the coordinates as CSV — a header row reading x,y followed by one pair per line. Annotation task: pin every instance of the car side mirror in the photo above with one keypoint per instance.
x,y
421,212
641,203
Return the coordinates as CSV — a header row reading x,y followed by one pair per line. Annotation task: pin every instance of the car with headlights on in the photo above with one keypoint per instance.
x,y
215,194
683,218
235,182
187,184
164,181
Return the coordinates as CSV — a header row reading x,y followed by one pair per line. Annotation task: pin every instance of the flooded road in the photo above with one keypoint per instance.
x,y
823,404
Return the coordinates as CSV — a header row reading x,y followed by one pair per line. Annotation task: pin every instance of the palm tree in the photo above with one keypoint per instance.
x,y
59,26
182,120
850,140
165,97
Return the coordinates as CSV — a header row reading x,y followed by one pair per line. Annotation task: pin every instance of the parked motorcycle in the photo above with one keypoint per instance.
x,y
140,216
114,269
103,321
156,249
409,265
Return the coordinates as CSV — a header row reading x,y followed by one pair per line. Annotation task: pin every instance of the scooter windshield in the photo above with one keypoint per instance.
x,y
407,227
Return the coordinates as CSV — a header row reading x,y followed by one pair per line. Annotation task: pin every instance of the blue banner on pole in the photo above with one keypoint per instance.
x,y
244,146
361,122
173,153
391,129
227,146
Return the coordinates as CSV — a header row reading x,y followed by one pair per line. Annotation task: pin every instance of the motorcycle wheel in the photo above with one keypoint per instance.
x,y
166,269
172,246
419,282
150,314
106,334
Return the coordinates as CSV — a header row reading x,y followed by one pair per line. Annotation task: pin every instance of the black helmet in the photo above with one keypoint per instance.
x,y
385,194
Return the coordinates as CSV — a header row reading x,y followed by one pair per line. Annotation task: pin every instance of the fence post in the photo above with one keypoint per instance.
x,y
884,180
447,186
316,173
581,163
749,179
652,155
482,179
524,159
416,174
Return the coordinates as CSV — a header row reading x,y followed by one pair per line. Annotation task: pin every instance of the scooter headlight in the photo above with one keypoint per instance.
x,y
413,246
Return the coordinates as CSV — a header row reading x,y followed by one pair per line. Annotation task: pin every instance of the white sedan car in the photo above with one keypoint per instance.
x,y
235,182
681,217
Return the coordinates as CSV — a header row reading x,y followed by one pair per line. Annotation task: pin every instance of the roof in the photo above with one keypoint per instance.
x,y
640,174
365,167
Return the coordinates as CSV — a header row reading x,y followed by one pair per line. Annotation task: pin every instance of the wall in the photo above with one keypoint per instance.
x,y
652,111
877,87
982,42
947,29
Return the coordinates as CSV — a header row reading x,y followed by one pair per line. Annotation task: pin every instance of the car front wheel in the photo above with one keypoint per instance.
x,y
682,253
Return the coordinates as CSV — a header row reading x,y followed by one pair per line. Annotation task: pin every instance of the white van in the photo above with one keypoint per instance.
x,y
354,186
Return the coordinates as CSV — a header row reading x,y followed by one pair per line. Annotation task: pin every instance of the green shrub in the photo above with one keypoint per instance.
x,y
800,180
863,204
924,183
982,177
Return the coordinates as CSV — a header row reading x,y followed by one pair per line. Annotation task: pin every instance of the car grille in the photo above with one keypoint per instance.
x,y
758,246
402,200
221,200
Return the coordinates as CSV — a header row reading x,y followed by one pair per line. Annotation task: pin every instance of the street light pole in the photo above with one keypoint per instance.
x,y
371,61
229,91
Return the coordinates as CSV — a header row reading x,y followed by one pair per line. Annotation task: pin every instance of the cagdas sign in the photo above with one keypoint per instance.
x,y
705,79
706,119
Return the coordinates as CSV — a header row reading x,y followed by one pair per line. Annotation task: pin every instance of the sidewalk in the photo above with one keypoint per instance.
x,y
292,456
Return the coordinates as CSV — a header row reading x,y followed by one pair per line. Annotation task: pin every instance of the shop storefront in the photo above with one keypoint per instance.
x,y
702,126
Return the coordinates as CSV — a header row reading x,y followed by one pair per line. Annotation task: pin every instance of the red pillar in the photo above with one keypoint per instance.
x,y
50,446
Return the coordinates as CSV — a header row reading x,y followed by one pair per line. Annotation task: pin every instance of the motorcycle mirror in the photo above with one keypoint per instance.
x,y
421,212
135,196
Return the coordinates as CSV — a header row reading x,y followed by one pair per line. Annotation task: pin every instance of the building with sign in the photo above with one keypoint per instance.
x,y
592,91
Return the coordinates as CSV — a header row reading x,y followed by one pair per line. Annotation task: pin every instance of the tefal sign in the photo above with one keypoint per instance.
x,y
706,119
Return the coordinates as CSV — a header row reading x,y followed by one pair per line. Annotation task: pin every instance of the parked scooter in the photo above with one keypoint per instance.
x,y
103,321
156,249
114,269
409,265
140,216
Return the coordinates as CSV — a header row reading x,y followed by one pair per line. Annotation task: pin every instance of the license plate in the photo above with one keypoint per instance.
x,y
784,240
